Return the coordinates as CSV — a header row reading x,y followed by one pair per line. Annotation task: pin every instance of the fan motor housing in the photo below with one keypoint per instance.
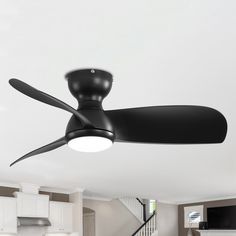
x,y
90,87
102,125
90,132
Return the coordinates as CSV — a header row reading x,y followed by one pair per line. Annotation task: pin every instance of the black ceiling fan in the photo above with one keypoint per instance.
x,y
93,129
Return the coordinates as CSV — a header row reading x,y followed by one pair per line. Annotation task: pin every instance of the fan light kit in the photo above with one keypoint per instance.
x,y
92,129
90,144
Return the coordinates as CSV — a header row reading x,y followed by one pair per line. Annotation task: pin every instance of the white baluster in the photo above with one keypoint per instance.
x,y
151,223
152,226
149,228
146,231
155,222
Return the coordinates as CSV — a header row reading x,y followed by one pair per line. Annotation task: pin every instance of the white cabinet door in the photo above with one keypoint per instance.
x,y
8,218
43,206
26,205
60,216
68,217
55,217
32,205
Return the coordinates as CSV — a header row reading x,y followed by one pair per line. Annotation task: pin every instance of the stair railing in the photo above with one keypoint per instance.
x,y
144,209
148,227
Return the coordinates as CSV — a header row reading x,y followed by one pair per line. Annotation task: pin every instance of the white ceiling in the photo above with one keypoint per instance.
x,y
159,51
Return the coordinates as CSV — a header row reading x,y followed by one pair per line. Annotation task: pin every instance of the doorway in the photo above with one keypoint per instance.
x,y
88,222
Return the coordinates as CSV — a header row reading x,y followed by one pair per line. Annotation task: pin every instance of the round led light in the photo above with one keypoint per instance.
x,y
90,143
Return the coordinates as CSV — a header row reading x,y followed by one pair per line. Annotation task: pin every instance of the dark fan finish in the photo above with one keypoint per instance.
x,y
157,124
49,147
46,98
169,124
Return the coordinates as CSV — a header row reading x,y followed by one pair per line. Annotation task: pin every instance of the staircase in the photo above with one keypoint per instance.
x,y
138,209
134,207
148,228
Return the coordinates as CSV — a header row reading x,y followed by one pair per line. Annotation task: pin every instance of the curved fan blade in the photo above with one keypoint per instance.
x,y
49,147
46,98
169,124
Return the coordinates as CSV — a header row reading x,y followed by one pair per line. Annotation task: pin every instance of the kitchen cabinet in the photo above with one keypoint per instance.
x,y
60,216
8,218
32,205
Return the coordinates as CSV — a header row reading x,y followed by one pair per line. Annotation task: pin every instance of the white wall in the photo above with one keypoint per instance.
x,y
167,219
112,218
77,199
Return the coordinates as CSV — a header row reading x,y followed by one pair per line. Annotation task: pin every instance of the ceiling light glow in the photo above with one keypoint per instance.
x,y
90,144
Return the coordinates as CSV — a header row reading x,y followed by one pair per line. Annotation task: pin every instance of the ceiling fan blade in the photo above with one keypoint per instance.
x,y
169,124
46,98
49,147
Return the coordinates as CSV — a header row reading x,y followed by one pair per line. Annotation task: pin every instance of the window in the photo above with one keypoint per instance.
x,y
152,206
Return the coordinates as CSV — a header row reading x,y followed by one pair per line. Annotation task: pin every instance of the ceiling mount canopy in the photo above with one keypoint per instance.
x,y
92,129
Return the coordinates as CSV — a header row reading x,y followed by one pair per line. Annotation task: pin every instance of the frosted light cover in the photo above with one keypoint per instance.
x,y
90,143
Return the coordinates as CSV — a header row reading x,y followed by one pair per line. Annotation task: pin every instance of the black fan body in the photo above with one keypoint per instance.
x,y
156,124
